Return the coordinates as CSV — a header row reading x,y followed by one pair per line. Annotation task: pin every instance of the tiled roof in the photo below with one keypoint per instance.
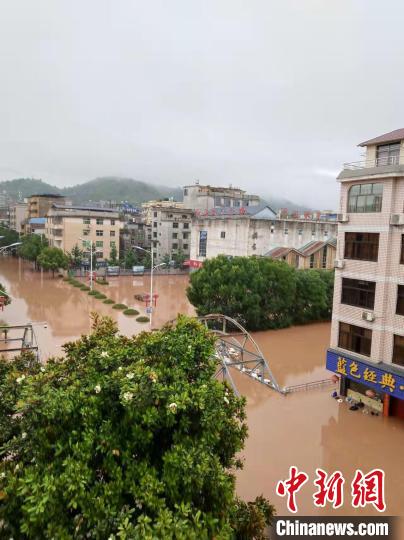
x,y
391,136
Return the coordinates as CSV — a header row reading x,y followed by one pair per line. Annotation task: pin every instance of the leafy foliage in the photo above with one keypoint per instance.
x,y
8,236
75,256
3,292
31,247
129,438
52,258
260,292
179,258
113,256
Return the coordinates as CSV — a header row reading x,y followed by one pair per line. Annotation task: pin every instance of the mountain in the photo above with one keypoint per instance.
x,y
114,188
101,189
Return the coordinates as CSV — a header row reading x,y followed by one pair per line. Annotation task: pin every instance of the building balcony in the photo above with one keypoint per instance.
x,y
384,166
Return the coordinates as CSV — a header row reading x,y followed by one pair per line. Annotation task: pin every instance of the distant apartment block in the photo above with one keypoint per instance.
x,y
367,338
134,232
68,226
170,230
18,214
198,197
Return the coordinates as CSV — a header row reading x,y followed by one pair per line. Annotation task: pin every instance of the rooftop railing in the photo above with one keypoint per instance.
x,y
383,161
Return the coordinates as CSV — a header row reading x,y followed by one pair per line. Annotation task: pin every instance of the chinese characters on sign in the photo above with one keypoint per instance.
x,y
365,489
372,376
221,211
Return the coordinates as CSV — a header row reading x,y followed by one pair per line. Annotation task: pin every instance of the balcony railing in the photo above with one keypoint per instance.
x,y
370,163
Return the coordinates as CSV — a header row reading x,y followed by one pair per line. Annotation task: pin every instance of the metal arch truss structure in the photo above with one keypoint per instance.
x,y
237,349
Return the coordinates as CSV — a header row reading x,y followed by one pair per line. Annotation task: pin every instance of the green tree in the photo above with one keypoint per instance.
x,y
179,259
328,278
124,438
166,260
8,236
32,245
52,258
311,297
257,291
113,256
3,292
75,256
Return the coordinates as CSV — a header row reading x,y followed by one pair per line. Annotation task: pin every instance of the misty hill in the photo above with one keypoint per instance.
x,y
113,188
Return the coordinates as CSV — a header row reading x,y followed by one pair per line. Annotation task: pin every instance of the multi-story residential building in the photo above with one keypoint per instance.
x,y
38,205
150,207
252,230
18,214
203,198
68,226
170,231
367,337
134,232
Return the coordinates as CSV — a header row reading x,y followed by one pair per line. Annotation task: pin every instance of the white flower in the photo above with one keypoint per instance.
x,y
97,389
104,354
226,400
173,407
120,368
130,375
20,379
2,475
23,435
42,369
128,396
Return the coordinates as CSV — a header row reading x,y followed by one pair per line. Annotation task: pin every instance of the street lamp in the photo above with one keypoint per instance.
x,y
91,242
152,268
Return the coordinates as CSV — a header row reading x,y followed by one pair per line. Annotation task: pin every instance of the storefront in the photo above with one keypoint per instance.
x,y
379,386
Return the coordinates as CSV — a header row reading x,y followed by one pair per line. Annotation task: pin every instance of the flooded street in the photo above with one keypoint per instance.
x,y
308,429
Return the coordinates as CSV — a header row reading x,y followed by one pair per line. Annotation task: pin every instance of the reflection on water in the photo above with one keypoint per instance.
x,y
307,429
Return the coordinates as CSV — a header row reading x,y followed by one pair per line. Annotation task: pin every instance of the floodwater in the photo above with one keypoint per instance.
x,y
308,429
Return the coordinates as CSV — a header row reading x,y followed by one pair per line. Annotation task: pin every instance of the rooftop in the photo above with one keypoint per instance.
x,y
47,195
391,136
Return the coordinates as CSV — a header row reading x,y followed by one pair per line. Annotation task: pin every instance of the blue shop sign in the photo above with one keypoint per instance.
x,y
370,375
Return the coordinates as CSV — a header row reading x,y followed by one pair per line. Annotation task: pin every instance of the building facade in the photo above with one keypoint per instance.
x,y
68,226
134,232
367,337
253,230
18,215
203,198
170,232
315,254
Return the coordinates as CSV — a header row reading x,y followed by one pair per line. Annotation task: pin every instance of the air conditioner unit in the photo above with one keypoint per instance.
x,y
342,218
397,219
368,316
339,263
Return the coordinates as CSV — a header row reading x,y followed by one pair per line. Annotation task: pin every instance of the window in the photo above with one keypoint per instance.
x,y
218,201
175,235
272,229
400,300
99,232
112,243
111,233
185,191
112,222
185,235
223,234
154,214
100,221
155,235
86,232
361,246
398,350
175,225
356,292
286,232
99,255
184,216
312,260
237,203
86,221
402,249
203,240
324,257
355,338
227,202
154,223
175,246
99,243
186,225
300,232
185,246
365,198
387,154
154,244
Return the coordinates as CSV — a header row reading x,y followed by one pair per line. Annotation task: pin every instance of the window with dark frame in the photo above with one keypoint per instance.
x,y
312,260
400,300
175,225
387,154
203,240
223,234
355,338
365,198
324,257
398,350
361,246
359,293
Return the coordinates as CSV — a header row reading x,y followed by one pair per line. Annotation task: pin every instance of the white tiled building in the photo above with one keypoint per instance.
x,y
367,338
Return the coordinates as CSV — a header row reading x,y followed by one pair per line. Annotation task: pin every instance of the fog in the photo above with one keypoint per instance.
x,y
271,96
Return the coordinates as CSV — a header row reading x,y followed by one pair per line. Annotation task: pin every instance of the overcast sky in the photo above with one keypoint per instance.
x,y
271,96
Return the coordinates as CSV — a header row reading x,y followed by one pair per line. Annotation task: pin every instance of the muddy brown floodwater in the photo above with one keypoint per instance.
x,y
308,429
